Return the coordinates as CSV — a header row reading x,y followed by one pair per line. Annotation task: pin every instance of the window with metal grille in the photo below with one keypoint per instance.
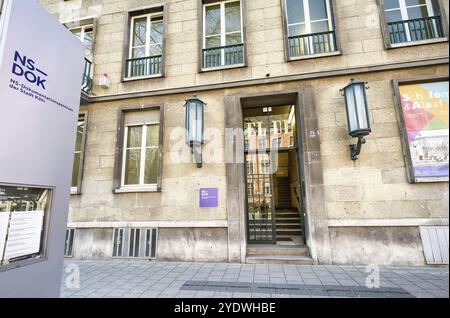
x,y
435,244
310,27
223,36
413,20
146,50
68,248
134,243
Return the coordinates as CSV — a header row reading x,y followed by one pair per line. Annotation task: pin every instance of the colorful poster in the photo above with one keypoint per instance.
x,y
425,112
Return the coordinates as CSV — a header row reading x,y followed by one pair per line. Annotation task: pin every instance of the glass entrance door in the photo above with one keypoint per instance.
x,y
267,131
260,207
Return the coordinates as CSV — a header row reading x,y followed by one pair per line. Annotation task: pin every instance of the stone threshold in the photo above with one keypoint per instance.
x,y
388,222
150,224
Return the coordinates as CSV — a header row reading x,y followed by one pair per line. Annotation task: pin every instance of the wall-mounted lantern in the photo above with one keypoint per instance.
x,y
357,114
194,127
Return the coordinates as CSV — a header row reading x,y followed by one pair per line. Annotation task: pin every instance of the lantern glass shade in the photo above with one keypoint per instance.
x,y
194,121
357,109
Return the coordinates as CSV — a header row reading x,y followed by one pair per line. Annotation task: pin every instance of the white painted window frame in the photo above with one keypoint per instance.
x,y
404,12
143,148
223,34
147,45
74,190
83,34
308,20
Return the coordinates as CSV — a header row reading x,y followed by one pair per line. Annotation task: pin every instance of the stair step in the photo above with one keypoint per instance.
x,y
284,239
288,220
287,215
282,230
279,259
288,232
281,237
288,226
286,250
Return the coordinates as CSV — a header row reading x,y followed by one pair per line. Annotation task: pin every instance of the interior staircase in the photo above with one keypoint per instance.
x,y
288,224
289,248
284,192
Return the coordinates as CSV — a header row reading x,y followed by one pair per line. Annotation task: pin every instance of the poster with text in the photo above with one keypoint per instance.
x,y
425,113
4,219
24,234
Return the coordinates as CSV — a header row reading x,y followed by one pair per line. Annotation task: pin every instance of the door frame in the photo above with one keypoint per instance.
x,y
269,152
310,171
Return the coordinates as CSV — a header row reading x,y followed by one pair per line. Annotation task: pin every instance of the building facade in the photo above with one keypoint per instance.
x,y
271,74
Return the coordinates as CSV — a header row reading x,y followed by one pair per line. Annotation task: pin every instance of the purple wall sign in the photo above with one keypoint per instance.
x,y
209,198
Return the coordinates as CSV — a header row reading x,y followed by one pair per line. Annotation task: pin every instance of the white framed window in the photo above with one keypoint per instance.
x,y
145,56
250,188
267,188
79,153
250,167
412,20
265,166
222,22
400,10
222,27
308,17
146,35
86,35
140,162
310,27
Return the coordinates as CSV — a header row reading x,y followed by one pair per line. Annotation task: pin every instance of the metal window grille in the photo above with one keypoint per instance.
x,y
435,244
68,248
134,243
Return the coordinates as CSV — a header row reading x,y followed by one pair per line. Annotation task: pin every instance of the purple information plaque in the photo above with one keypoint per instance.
x,y
209,198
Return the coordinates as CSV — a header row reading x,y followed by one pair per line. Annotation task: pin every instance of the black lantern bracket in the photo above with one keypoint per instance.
x,y
355,150
353,81
196,150
196,143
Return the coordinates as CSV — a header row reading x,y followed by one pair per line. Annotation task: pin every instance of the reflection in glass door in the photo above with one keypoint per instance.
x,y
261,220
267,130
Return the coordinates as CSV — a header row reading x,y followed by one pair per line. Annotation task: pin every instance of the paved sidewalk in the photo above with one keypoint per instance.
x,y
122,278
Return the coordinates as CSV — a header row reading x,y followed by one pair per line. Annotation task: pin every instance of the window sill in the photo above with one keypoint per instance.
x,y
137,78
314,56
221,68
138,189
75,191
415,43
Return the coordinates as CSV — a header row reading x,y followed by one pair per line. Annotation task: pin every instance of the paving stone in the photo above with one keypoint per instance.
x,y
348,282
165,279
205,294
149,294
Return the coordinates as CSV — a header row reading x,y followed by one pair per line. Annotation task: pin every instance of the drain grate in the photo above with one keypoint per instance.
x,y
294,289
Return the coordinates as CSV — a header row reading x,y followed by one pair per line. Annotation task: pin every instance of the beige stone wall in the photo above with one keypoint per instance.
x,y
373,187
178,199
358,28
376,245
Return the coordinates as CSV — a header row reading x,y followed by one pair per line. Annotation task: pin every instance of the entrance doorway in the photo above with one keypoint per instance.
x,y
273,201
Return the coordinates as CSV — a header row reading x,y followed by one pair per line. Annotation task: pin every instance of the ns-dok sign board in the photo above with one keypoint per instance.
x,y
41,65
425,113
209,197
